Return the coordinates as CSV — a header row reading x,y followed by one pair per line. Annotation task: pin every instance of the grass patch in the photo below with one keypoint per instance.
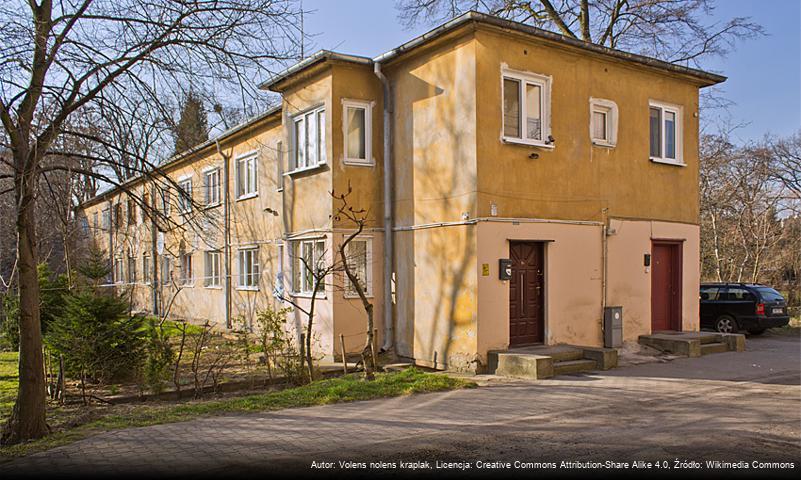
x,y
9,376
347,388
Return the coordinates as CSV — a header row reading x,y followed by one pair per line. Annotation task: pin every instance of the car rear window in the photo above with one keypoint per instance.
x,y
710,293
769,294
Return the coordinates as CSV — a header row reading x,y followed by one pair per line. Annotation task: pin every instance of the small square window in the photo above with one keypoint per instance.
x,y
603,122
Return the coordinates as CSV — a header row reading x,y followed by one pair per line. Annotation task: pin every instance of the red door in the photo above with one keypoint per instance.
x,y
666,286
526,293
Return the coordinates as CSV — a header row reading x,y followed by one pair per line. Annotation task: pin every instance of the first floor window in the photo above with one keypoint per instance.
x,y
165,202
664,133
249,267
131,269
526,107
246,176
358,254
212,187
308,257
212,274
146,269
166,270
118,270
186,269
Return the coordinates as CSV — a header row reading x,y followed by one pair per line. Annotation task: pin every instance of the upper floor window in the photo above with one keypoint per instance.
x,y
247,185
106,218
165,201
603,122
117,215
145,206
95,222
358,131
118,271
131,268
146,269
185,195
308,138
131,212
211,187
279,166
526,108
665,133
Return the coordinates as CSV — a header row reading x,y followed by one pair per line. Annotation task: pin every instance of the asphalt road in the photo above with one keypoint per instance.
x,y
740,408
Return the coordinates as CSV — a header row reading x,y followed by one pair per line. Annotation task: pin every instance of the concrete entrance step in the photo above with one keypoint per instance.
x,y
694,344
573,366
715,347
539,362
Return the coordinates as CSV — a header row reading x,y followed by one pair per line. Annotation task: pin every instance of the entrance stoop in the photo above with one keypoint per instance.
x,y
544,362
694,344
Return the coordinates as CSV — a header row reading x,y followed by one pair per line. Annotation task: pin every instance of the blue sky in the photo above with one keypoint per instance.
x,y
764,74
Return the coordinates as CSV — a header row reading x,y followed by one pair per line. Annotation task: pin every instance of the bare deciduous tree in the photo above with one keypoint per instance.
x,y
676,31
60,60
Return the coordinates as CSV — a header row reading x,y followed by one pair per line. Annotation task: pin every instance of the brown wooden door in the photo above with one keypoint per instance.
x,y
526,293
666,286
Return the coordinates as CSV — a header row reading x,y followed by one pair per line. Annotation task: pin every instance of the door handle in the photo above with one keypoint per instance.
x,y
522,286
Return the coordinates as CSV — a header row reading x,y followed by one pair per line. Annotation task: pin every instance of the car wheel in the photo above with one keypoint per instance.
x,y
756,331
726,324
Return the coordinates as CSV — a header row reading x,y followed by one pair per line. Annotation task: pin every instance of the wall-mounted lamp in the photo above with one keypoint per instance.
x,y
533,155
493,209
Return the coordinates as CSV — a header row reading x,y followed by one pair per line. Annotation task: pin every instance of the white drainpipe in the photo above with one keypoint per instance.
x,y
389,335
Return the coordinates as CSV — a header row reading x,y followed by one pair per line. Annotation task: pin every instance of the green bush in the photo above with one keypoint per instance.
x,y
53,290
160,356
97,337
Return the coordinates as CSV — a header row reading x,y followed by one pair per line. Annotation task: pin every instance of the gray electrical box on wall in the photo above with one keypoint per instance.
x,y
613,327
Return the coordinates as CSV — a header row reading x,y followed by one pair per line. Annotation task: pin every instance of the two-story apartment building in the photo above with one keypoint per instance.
x,y
518,183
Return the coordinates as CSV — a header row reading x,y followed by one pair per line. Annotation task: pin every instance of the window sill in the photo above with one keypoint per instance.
x,y
530,143
213,287
212,205
355,296
248,289
603,143
308,295
666,161
357,162
304,169
247,197
186,285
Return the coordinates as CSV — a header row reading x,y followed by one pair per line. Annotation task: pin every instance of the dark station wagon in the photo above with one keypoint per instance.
x,y
734,307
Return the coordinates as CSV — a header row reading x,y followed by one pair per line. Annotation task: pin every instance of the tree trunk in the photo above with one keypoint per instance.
x,y
27,419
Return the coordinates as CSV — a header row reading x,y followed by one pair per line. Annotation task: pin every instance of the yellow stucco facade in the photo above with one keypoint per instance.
x,y
463,193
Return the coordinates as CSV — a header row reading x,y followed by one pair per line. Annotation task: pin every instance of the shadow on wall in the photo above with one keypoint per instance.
x,y
436,184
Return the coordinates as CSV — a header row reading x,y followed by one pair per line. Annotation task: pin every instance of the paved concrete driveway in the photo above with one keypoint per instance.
x,y
730,407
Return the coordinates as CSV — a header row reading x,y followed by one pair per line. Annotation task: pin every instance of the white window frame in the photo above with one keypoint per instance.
x,y
251,157
187,277
279,166
106,219
146,269
544,82
248,279
609,109
119,274
367,106
350,292
185,195
166,270
212,198
297,266
165,201
212,277
677,110
131,272
320,147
